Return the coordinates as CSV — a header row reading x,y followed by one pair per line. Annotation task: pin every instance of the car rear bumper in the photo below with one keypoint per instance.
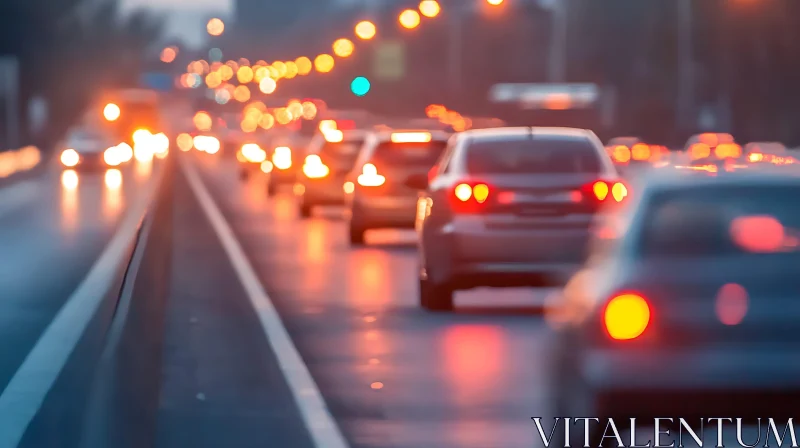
x,y
277,176
469,254
248,166
91,163
701,383
325,191
383,212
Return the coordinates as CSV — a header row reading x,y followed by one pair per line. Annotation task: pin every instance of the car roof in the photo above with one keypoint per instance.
x,y
675,181
520,131
386,135
355,134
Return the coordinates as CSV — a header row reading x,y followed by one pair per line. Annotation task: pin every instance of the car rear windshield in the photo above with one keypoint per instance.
x,y
85,135
344,152
533,156
706,222
409,154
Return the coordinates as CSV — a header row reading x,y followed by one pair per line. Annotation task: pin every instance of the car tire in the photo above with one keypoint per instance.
x,y
570,400
305,211
356,235
435,297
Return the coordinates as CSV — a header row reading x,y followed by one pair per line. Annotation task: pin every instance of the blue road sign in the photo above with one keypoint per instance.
x,y
158,81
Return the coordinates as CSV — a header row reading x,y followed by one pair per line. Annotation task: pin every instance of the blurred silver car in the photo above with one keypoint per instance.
x,y
86,148
687,306
510,207
376,194
329,159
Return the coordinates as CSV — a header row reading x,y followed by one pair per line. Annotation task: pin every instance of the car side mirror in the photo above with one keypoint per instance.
x,y
417,181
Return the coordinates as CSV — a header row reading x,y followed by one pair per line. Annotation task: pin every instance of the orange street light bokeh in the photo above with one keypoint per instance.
x,y
215,27
279,67
323,63
111,112
202,121
241,94
291,70
409,19
343,48
169,54
304,65
494,2
365,30
244,74
429,8
267,85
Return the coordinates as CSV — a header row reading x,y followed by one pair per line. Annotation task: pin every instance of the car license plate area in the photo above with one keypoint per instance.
x,y
536,211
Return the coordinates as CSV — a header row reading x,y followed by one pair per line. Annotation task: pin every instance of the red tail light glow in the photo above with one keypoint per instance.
x,y
468,198
626,316
369,176
610,191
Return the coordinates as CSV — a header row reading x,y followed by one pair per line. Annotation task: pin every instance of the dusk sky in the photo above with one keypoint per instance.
x,y
185,18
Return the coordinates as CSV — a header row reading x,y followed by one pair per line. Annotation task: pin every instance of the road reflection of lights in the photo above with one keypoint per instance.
x,y
143,169
315,242
370,319
113,179
112,195
474,357
285,208
69,200
377,385
371,278
69,179
374,361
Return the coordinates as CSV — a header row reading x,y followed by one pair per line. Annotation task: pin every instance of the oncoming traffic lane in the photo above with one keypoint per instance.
x,y
391,374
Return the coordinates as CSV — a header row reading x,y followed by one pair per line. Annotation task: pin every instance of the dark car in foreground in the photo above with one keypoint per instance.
x,y
687,306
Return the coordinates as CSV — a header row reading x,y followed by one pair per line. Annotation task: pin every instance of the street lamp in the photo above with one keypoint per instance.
x,y
409,19
365,30
324,63
343,48
215,27
429,8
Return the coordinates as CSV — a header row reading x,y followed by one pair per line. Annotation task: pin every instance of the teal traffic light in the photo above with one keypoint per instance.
x,y
360,86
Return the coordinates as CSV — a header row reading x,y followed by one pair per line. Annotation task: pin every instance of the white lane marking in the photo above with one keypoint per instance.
x,y
316,415
25,393
16,195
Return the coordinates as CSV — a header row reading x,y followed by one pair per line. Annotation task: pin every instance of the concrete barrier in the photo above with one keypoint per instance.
x,y
122,404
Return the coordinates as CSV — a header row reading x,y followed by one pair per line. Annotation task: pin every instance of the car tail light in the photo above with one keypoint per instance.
x,y
470,197
602,191
313,167
253,153
70,158
626,316
282,158
369,176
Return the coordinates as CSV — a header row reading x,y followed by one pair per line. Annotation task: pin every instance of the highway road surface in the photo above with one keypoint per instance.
x,y
273,331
